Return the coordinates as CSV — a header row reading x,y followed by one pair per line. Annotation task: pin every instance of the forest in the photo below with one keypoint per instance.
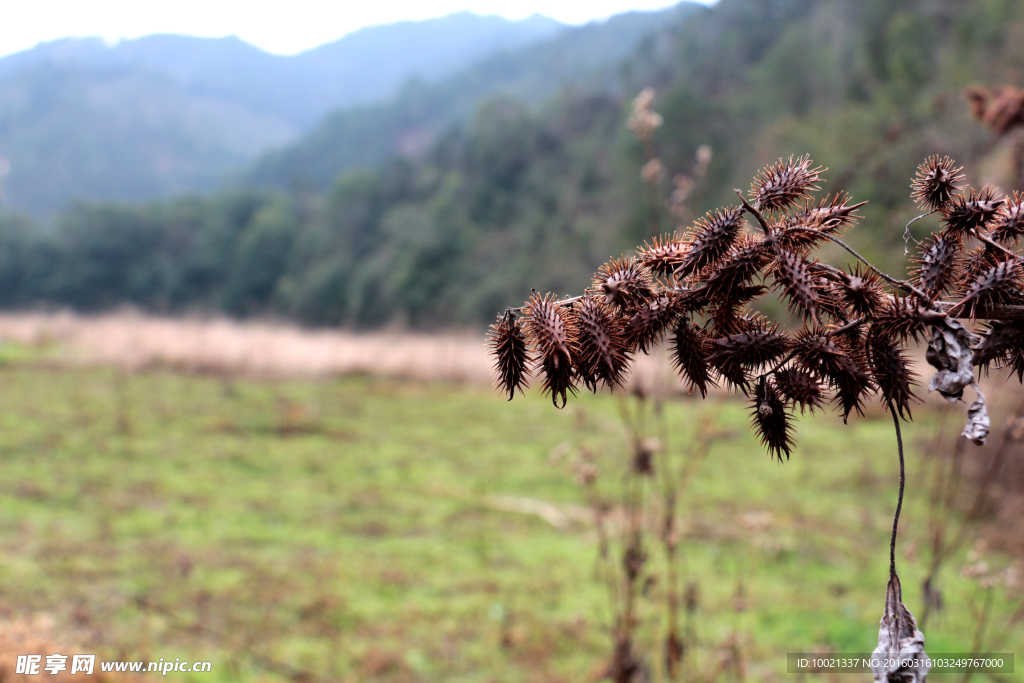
x,y
537,193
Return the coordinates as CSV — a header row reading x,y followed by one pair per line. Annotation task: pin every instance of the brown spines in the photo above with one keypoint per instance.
x,y
724,310
891,372
860,289
851,383
689,357
739,268
731,373
784,183
998,285
1003,343
837,362
600,344
806,228
751,349
624,283
904,317
506,341
977,262
936,183
794,278
1009,223
663,255
963,214
710,240
552,334
771,421
815,352
645,327
936,265
798,387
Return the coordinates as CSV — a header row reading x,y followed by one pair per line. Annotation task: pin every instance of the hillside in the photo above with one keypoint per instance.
x,y
524,195
165,114
588,58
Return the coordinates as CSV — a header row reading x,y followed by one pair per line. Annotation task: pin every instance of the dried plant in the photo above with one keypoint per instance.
x,y
856,323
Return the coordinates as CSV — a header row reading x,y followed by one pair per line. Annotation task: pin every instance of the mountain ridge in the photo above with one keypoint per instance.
x,y
192,110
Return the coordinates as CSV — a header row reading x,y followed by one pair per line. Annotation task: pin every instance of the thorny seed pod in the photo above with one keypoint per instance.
x,y
784,183
805,229
600,344
1015,361
1009,223
751,349
731,373
891,372
829,214
771,421
798,387
624,283
936,182
689,357
1000,339
646,326
551,334
744,262
904,317
936,266
998,285
852,383
663,255
512,358
861,291
710,240
825,357
977,262
724,313
793,277
975,211
860,326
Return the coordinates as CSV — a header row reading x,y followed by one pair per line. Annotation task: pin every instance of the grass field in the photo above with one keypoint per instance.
x,y
360,529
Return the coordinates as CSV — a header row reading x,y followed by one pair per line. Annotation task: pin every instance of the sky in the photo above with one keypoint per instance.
x,y
279,26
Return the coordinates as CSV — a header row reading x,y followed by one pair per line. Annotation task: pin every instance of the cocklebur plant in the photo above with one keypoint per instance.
x,y
692,292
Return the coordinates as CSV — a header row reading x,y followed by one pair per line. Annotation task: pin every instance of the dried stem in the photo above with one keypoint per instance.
x,y
765,228
899,501
995,245
907,237
902,284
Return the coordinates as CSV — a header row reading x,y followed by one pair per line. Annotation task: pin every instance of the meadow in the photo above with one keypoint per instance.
x,y
363,528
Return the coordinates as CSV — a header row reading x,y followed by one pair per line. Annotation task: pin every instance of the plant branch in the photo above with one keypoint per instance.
x,y
907,237
848,326
992,243
902,284
563,302
765,228
899,501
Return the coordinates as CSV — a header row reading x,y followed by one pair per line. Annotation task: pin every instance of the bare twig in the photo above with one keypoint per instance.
x,y
992,243
907,237
902,284
753,212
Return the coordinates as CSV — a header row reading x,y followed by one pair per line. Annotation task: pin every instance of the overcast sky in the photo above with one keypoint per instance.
x,y
282,26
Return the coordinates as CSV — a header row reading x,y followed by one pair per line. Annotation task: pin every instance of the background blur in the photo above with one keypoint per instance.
x,y
245,407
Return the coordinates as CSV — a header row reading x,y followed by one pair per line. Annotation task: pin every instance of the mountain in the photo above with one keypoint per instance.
x,y
524,195
587,58
165,113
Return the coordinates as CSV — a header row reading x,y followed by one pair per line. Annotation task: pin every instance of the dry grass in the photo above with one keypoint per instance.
x,y
135,341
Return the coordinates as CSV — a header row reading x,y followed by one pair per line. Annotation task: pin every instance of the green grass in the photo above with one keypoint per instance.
x,y
342,527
